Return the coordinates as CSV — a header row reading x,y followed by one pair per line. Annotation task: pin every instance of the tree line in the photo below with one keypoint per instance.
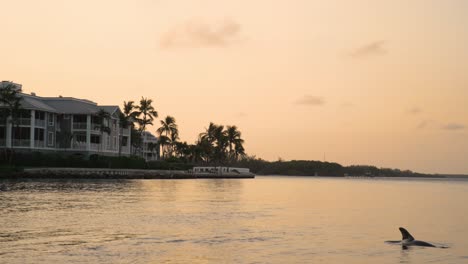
x,y
217,145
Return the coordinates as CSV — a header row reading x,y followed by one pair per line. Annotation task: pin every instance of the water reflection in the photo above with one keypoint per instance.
x,y
266,220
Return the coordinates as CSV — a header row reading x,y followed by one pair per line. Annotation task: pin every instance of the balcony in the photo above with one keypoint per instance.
x,y
21,142
94,146
125,149
24,121
79,126
39,143
79,145
39,123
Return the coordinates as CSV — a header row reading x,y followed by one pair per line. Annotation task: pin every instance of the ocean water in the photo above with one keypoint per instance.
x,y
262,220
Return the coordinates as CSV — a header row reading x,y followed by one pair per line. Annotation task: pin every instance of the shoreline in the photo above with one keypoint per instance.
x,y
103,173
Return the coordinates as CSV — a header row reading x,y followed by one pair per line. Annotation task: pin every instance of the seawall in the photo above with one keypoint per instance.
x,y
102,173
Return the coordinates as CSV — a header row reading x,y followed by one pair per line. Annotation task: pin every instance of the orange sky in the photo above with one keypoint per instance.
x,y
363,81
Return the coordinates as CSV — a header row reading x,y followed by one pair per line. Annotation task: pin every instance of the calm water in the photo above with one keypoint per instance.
x,y
263,220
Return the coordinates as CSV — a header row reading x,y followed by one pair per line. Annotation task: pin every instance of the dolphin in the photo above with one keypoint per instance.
x,y
408,240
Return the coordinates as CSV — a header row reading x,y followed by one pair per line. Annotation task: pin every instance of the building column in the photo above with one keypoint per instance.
x,y
33,124
8,132
88,132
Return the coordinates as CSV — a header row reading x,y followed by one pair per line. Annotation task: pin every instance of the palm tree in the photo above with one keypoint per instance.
x,y
129,110
209,134
102,124
126,119
239,150
171,131
168,126
11,108
235,142
147,111
164,142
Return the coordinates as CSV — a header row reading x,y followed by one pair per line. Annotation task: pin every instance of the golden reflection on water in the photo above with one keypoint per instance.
x,y
263,220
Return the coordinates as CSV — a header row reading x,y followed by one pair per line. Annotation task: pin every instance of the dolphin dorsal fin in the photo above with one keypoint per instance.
x,y
406,235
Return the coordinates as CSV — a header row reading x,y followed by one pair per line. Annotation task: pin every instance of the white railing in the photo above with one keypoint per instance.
x,y
39,123
79,126
79,145
21,142
94,146
125,149
24,121
39,143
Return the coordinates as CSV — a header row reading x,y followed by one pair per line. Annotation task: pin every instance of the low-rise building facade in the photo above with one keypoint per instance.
x,y
65,124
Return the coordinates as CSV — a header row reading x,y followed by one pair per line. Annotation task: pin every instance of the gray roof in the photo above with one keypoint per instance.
x,y
64,105
111,109
69,105
35,103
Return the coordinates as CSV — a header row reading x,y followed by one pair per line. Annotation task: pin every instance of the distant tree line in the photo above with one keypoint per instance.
x,y
319,168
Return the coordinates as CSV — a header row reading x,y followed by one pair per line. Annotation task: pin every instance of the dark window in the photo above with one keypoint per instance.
x,y
40,115
95,139
124,141
79,118
39,134
21,133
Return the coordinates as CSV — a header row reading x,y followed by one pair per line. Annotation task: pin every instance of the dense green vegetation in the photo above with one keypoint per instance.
x,y
311,168
257,166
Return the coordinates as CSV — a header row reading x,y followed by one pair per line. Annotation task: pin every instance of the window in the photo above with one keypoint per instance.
x,y
39,134
95,139
50,118
50,138
21,133
108,143
124,141
39,115
66,116
115,142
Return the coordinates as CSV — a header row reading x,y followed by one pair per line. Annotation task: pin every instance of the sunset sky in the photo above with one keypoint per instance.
x,y
363,82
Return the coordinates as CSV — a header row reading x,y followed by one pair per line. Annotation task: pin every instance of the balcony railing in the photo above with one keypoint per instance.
x,y
39,143
39,123
21,142
24,121
94,146
79,126
125,149
79,145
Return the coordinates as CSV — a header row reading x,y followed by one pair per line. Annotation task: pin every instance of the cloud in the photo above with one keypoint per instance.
x,y
310,100
196,33
453,126
371,49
